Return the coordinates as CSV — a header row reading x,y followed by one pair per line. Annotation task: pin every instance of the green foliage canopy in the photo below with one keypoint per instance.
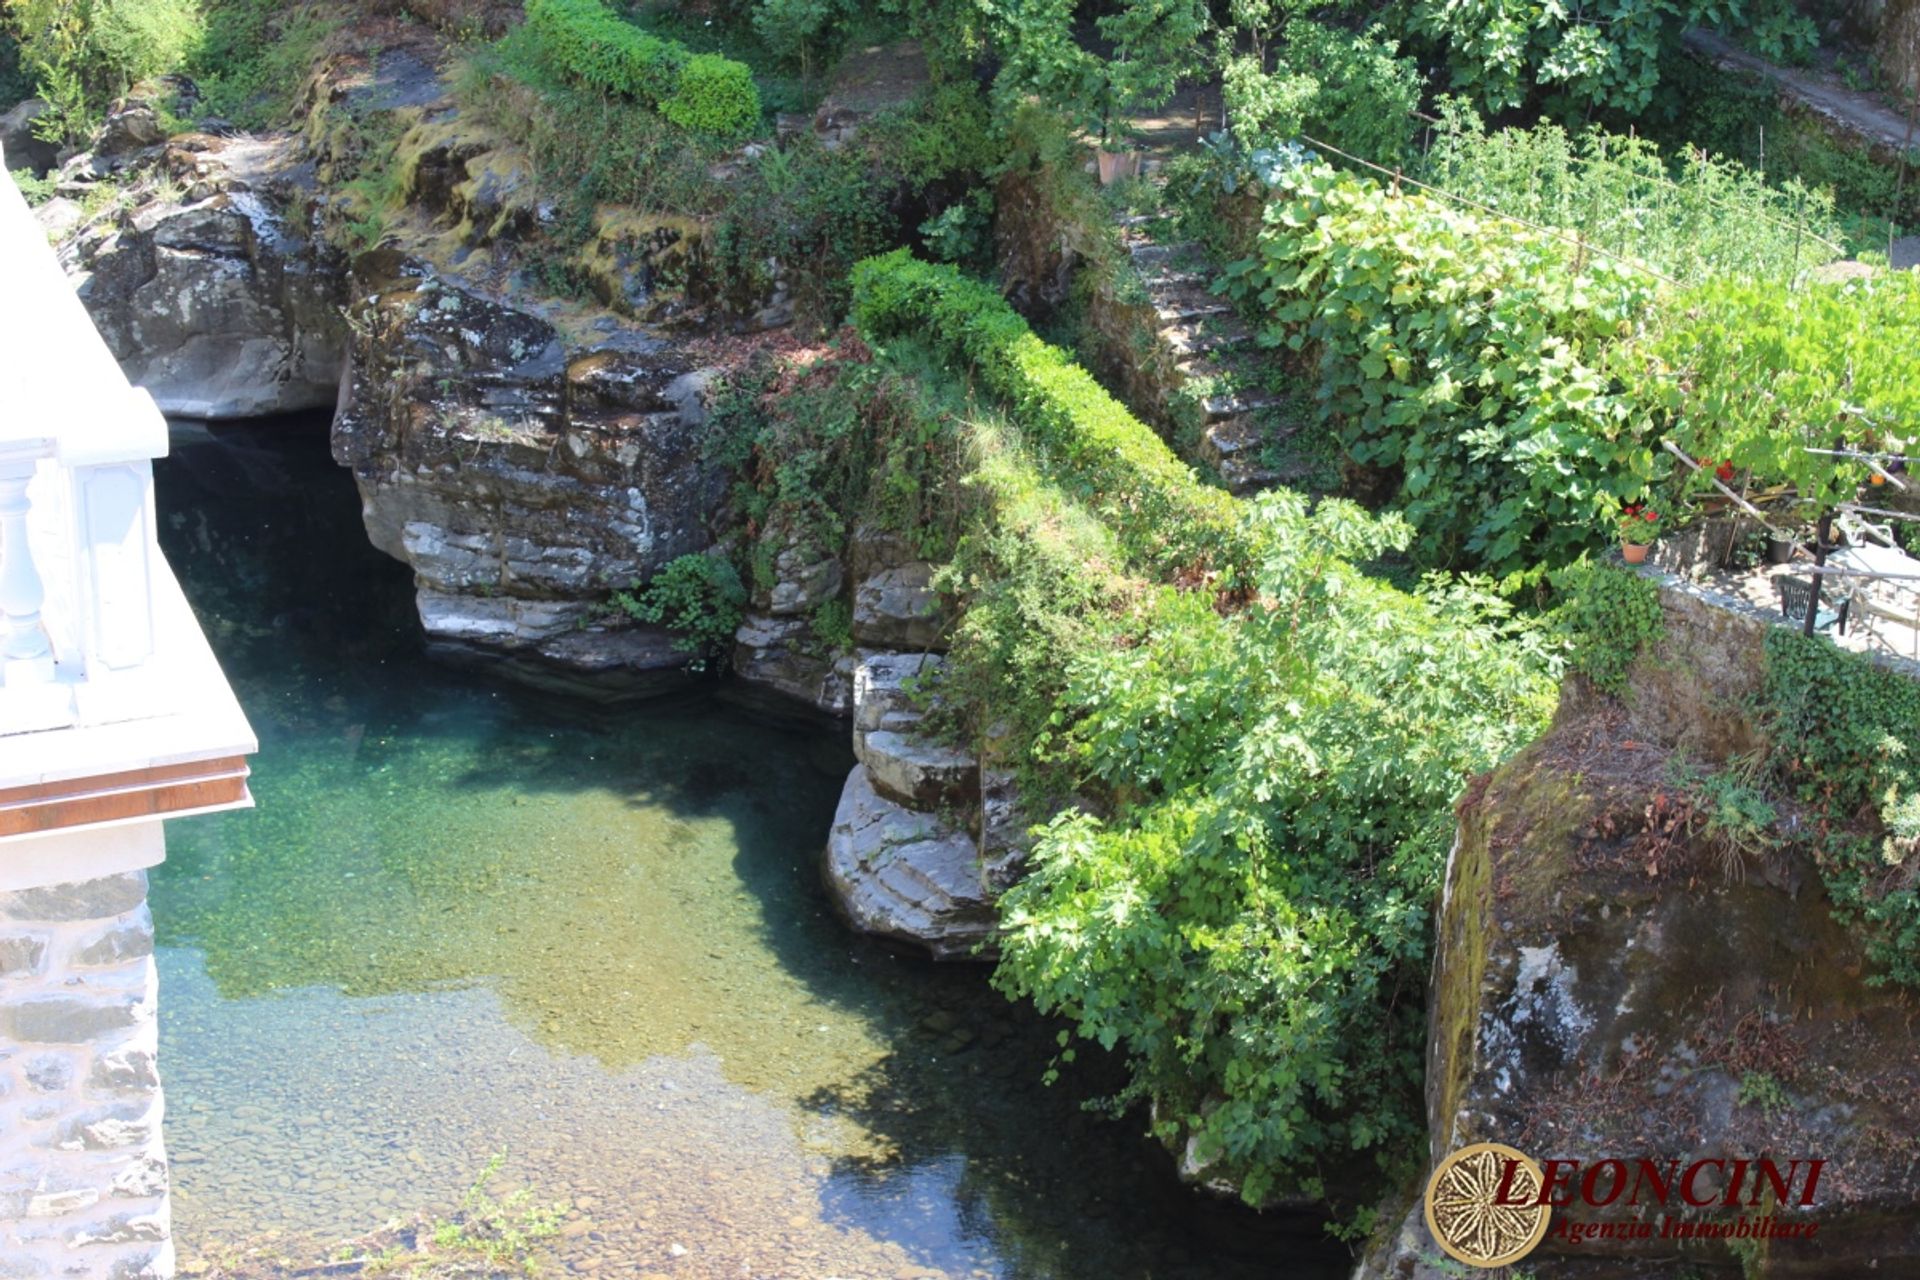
x,y
1252,921
1757,372
1461,356
82,54
1351,89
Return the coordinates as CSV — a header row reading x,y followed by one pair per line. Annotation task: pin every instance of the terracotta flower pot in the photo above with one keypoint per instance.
x,y
1634,552
1115,165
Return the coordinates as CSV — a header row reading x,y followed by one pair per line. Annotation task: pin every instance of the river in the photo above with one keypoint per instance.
x,y
465,926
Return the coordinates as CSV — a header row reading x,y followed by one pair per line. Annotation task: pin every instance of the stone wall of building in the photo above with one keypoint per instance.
x,y
83,1172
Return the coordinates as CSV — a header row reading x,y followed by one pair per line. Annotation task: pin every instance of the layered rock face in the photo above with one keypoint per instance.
x,y
924,839
522,473
1614,980
523,454
217,302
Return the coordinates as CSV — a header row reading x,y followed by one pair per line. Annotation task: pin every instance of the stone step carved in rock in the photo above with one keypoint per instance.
x,y
898,608
915,770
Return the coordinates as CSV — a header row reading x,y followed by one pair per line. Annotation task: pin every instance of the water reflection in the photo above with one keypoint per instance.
x,y
459,923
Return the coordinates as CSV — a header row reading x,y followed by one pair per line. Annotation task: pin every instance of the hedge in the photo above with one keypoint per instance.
x,y
1118,465
593,47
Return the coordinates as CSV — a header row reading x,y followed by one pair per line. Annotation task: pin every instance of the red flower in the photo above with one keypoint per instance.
x,y
1725,470
1648,516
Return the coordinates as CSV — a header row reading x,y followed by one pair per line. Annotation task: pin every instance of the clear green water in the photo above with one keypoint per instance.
x,y
461,922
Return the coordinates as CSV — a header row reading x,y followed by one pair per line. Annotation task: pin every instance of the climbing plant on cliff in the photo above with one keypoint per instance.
x,y
1846,737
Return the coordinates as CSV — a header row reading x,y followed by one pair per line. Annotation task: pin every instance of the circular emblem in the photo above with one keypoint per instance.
x,y
1470,1217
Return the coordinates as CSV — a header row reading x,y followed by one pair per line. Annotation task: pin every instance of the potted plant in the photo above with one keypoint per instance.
x,y
1780,550
1154,42
1639,527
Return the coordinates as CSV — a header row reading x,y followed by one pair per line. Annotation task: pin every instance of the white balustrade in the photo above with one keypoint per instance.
x,y
26,656
93,629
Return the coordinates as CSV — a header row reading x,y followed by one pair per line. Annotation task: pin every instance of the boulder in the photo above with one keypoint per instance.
x,y
22,148
131,125
871,548
908,876
916,770
898,608
906,765
885,684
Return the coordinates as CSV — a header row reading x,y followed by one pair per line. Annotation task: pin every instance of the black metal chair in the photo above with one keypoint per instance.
x,y
1796,594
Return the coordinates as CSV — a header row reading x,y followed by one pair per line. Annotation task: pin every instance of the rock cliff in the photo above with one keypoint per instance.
x,y
524,454
1619,977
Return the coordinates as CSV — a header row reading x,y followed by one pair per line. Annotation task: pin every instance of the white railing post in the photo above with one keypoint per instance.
x,y
26,657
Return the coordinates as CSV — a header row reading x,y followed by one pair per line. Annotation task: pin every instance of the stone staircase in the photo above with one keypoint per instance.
x,y
1208,340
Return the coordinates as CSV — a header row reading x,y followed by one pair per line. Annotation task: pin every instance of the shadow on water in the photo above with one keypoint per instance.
x,y
634,890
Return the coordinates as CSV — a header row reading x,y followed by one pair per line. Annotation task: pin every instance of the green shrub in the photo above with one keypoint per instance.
x,y
1115,462
1607,616
698,596
589,44
1462,358
1250,921
1846,737
82,54
715,95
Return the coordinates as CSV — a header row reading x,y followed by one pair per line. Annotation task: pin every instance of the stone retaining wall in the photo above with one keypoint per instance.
x,y
83,1171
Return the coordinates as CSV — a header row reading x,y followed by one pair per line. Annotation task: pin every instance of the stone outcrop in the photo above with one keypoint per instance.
x,y
903,874
524,454
924,840
522,470
83,1172
208,294
784,655
898,608
1613,980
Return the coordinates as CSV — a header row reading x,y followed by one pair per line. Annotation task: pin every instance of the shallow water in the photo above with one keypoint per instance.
x,y
461,923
